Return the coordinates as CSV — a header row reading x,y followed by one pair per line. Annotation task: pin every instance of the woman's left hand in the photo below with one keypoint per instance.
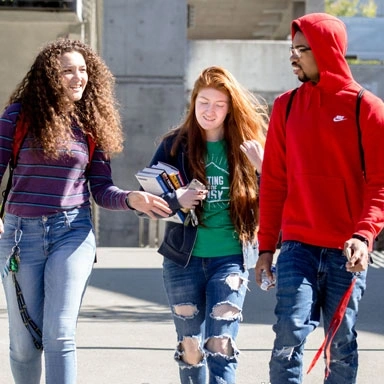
x,y
255,153
190,198
149,204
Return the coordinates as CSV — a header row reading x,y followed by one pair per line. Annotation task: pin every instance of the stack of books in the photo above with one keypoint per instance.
x,y
162,178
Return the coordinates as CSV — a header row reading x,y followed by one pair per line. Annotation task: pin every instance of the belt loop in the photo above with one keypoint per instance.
x,y
67,221
19,222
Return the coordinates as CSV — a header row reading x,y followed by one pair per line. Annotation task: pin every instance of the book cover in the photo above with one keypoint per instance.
x,y
153,182
172,172
161,177
163,174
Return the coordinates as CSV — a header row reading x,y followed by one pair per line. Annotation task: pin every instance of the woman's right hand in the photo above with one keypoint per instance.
x,y
190,198
148,203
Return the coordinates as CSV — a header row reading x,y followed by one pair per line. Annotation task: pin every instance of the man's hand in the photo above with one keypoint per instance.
x,y
149,204
264,263
356,252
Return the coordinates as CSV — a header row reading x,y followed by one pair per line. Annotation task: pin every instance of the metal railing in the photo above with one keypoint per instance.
x,y
151,232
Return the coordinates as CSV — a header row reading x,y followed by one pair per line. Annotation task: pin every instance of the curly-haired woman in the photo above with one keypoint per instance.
x,y
205,269
67,101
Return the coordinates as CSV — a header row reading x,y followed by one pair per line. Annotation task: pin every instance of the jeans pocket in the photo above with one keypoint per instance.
x,y
289,245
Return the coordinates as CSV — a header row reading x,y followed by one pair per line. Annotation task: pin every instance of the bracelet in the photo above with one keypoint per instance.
x,y
126,202
361,238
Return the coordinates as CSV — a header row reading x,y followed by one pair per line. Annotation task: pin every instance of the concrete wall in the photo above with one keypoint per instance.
x,y
146,47
154,79
370,77
263,66
144,44
22,34
365,40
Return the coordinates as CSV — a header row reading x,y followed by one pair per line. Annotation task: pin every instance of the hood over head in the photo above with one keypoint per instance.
x,y
327,37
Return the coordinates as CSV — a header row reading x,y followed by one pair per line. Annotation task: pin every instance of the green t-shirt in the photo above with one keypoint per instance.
x,y
216,235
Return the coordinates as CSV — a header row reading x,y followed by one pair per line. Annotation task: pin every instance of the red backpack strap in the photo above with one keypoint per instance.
x,y
91,149
21,131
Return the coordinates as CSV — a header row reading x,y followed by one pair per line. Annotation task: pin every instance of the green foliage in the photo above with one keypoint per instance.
x,y
363,62
351,8
370,9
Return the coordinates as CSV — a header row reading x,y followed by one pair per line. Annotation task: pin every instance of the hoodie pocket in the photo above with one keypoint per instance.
x,y
319,202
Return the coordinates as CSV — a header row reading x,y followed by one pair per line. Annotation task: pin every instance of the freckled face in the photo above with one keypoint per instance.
x,y
211,109
74,74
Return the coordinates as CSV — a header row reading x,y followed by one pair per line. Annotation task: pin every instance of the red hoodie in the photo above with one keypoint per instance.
x,y
312,185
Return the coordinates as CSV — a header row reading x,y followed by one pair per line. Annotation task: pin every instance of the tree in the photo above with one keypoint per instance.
x,y
350,8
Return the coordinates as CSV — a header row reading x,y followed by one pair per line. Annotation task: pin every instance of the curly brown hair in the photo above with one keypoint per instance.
x,y
247,120
49,110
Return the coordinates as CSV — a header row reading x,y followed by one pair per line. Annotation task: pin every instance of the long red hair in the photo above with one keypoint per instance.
x,y
247,120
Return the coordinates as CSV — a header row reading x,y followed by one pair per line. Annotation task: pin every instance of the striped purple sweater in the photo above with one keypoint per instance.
x,y
44,186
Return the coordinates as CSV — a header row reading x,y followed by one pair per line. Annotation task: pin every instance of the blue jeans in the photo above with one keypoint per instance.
x,y
206,299
312,280
56,258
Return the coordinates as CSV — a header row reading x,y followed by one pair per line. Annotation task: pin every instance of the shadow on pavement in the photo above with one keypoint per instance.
x,y
147,285
126,313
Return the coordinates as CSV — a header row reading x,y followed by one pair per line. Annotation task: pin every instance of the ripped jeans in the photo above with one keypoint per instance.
x,y
56,258
206,300
311,281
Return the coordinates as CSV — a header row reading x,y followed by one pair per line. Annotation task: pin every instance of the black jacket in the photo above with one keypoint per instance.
x,y
179,239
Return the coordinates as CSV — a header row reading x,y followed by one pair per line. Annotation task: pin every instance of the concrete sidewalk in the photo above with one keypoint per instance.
x,y
126,334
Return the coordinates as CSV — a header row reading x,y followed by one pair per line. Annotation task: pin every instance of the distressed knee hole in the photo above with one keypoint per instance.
x,y
234,281
225,311
220,344
187,311
192,353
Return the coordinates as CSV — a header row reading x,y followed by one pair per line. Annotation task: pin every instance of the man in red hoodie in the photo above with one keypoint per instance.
x,y
325,195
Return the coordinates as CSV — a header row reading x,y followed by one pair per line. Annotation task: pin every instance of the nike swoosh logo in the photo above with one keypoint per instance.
x,y
339,118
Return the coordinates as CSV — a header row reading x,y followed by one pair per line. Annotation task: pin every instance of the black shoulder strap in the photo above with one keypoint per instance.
x,y
289,105
358,102
361,149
